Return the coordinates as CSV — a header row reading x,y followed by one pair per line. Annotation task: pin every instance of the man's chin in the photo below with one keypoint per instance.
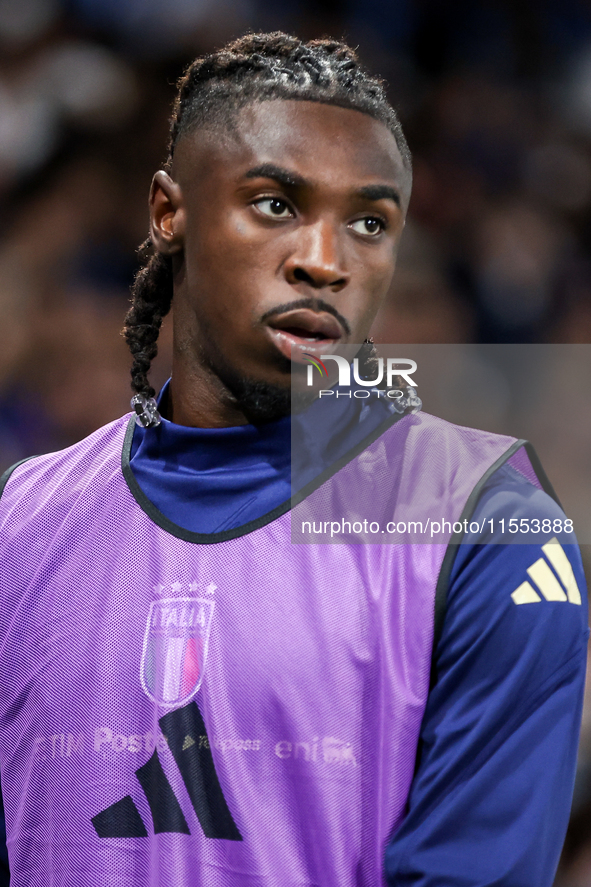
x,y
264,402
257,399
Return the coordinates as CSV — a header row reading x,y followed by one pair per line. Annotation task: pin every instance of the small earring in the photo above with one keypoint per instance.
x,y
146,411
414,401
410,402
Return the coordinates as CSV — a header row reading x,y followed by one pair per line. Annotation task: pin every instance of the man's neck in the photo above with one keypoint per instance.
x,y
201,403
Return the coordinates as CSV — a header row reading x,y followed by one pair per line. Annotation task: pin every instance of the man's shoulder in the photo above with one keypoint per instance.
x,y
439,432
42,477
518,577
444,454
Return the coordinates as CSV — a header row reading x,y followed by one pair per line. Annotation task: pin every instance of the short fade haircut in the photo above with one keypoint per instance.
x,y
254,68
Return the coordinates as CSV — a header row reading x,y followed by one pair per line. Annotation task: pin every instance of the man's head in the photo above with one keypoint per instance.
x,y
275,222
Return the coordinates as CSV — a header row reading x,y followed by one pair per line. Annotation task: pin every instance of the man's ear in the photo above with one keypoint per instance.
x,y
167,215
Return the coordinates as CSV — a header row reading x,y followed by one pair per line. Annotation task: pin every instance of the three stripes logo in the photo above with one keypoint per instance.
x,y
551,588
184,729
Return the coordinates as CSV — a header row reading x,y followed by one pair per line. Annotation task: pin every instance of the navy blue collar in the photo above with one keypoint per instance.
x,y
209,480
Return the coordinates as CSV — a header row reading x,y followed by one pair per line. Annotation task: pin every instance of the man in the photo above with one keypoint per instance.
x,y
191,699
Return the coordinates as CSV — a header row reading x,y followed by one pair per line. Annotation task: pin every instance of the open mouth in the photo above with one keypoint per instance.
x,y
303,330
300,333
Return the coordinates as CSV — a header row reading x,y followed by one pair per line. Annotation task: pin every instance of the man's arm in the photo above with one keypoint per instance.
x,y
490,801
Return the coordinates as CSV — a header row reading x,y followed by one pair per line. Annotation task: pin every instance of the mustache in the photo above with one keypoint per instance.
x,y
313,304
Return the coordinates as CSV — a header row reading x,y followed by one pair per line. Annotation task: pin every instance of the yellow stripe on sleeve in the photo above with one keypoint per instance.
x,y
525,594
557,557
546,581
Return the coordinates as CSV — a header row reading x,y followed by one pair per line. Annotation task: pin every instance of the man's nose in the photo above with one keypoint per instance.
x,y
318,258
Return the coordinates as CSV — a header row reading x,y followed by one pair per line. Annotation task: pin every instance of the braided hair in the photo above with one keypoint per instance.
x,y
257,67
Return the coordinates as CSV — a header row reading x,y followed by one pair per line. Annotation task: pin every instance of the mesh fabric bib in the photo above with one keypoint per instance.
x,y
207,712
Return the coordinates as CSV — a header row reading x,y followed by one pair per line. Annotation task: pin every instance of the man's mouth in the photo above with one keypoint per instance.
x,y
303,330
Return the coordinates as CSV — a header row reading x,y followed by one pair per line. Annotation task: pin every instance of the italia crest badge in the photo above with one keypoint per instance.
x,y
175,649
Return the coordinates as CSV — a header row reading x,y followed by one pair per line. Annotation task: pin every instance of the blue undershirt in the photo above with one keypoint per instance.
x,y
490,801
212,479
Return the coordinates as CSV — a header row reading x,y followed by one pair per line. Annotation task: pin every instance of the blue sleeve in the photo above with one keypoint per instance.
x,y
490,801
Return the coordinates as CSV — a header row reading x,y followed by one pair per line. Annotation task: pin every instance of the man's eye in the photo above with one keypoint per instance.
x,y
274,208
369,225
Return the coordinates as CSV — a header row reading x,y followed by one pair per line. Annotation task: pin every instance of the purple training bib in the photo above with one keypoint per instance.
x,y
188,712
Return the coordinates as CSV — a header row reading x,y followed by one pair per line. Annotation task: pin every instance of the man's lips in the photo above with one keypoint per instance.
x,y
303,330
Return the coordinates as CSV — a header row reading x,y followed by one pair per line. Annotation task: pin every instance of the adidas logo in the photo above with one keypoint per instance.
x,y
195,763
543,578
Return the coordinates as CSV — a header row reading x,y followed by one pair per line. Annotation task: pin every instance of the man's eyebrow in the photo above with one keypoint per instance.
x,y
380,192
271,171
288,178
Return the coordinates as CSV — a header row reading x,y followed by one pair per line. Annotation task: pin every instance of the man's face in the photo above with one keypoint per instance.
x,y
284,231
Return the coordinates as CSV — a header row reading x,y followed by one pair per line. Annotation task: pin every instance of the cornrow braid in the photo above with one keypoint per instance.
x,y
270,66
151,300
256,67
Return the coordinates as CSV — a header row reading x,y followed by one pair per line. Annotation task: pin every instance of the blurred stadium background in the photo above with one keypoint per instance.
x,y
495,98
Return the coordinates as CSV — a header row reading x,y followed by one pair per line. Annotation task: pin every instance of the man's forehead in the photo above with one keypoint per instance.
x,y
317,140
